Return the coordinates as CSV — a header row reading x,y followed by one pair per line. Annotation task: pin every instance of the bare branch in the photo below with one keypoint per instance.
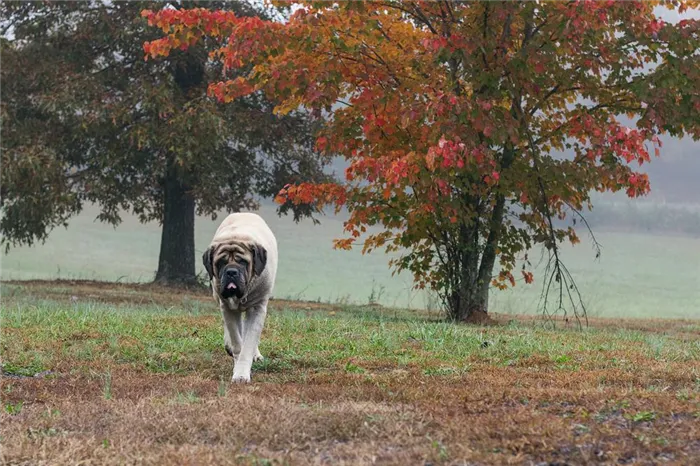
x,y
555,267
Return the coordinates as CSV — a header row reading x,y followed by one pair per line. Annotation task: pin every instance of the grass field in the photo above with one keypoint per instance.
x,y
115,374
638,275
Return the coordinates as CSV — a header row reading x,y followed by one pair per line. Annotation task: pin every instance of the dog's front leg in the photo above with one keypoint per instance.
x,y
255,320
258,356
241,331
233,331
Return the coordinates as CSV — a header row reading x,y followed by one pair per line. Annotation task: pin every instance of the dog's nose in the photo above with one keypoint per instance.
x,y
232,273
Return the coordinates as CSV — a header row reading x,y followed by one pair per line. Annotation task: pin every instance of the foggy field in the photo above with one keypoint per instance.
x,y
139,375
638,275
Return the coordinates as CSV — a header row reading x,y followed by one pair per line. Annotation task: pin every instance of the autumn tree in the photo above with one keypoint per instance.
x,y
473,130
86,120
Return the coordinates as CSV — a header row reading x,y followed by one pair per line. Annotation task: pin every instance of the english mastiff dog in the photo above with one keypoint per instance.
x,y
242,263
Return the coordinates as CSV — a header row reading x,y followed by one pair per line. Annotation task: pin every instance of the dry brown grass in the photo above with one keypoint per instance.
x,y
532,410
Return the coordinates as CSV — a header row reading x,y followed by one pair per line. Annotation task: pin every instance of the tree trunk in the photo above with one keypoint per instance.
x,y
465,298
176,264
488,258
472,294
471,297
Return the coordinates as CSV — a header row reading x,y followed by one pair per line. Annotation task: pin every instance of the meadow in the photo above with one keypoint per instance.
x,y
637,275
97,373
358,369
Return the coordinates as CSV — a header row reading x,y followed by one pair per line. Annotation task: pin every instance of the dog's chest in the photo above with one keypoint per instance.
x,y
233,303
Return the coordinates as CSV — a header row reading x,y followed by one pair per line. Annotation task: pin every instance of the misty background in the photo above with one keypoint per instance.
x,y
649,266
650,262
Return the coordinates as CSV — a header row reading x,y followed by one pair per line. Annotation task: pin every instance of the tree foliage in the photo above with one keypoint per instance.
x,y
86,120
454,117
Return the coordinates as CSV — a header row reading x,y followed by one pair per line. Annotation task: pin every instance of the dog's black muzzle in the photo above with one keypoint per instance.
x,y
232,281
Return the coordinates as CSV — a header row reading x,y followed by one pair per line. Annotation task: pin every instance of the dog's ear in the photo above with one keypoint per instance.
x,y
208,260
259,258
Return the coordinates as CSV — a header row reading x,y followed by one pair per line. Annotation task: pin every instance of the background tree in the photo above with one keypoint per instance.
x,y
86,120
450,113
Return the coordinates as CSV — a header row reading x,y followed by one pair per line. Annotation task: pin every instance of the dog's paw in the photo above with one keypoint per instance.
x,y
258,357
240,378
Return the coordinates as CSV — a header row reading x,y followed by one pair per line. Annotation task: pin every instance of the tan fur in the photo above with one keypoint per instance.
x,y
233,253
237,233
234,240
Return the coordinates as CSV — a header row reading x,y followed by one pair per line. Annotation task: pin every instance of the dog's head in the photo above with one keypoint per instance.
x,y
232,265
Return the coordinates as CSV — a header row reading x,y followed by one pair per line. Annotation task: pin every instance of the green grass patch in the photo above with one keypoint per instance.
x,y
13,408
25,366
643,416
44,335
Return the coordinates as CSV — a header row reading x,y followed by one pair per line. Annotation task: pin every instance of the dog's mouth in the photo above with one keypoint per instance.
x,y
231,290
231,287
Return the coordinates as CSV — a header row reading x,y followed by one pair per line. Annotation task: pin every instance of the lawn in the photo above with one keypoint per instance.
x,y
121,374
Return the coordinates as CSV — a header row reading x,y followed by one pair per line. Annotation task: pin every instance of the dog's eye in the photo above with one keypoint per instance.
x,y
243,262
221,264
